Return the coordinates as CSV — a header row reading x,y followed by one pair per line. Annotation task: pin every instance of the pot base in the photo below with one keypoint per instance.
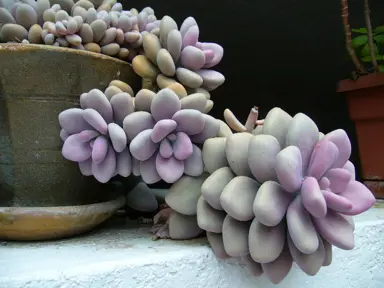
x,y
377,187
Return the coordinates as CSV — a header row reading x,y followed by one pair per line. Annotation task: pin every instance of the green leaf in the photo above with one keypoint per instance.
x,y
369,58
365,51
359,41
379,38
379,30
381,67
360,30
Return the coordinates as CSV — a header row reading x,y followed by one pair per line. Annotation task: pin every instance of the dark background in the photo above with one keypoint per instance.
x,y
285,53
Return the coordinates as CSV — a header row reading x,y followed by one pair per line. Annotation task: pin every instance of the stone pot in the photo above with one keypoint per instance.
x,y
365,99
37,82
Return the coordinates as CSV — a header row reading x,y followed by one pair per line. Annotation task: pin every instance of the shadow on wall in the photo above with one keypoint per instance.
x,y
286,53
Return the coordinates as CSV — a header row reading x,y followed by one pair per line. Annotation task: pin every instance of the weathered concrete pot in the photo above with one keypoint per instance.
x,y
36,83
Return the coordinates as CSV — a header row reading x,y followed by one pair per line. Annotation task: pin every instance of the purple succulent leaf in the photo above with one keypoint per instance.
x,y
150,26
166,150
96,100
118,137
136,123
191,36
210,130
340,138
96,121
135,167
189,121
100,149
162,129
187,23
336,202
209,55
361,197
218,52
194,165
289,168
324,183
105,170
148,170
71,120
174,44
142,147
170,170
124,163
323,156
351,168
142,20
122,106
339,179
182,147
336,230
165,104
192,58
64,134
313,199
88,135
74,149
86,167
211,79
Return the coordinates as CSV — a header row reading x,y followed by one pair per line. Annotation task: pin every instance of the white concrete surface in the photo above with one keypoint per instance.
x,y
122,255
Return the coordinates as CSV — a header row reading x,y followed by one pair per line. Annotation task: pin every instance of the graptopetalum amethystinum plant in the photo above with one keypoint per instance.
x,y
284,193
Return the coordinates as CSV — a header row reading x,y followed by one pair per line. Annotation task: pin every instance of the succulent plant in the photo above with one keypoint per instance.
x,y
97,26
163,138
93,135
170,52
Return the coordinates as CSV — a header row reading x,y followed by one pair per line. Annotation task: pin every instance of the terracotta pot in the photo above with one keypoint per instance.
x,y
37,82
365,99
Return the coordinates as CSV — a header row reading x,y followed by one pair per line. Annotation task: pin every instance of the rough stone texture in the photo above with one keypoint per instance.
x,y
37,82
127,257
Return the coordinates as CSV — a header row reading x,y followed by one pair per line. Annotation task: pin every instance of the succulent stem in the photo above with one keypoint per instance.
x,y
368,25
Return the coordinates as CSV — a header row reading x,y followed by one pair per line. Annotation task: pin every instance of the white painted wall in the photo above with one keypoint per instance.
x,y
128,258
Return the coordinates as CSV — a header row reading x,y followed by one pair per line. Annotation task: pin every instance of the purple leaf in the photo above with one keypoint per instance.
x,y
191,36
189,121
194,166
182,147
105,170
95,120
100,149
340,138
336,202
72,121
323,156
148,170
166,149
313,199
162,129
361,197
124,163
339,179
170,170
142,147
289,168
165,104
118,137
136,123
74,149
218,54
210,130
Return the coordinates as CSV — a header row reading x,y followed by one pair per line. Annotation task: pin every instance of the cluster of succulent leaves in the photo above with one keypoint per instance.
x,y
360,43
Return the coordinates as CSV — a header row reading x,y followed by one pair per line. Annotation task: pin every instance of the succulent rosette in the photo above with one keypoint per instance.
x,y
93,135
165,139
172,53
284,195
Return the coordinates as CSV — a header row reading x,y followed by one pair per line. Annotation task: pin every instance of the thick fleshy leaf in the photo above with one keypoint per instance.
x,y
135,167
118,137
340,138
99,149
304,134
194,166
217,245
187,23
301,228
165,104
182,147
351,168
166,149
191,36
122,106
211,79
266,243
86,167
254,268
209,55
210,130
289,169
72,121
339,179
162,129
262,153
328,252
189,121
235,236
336,202
192,58
313,199
324,183
148,170
174,44
64,134
236,147
74,149
309,263
124,163
271,203
94,119
197,101
105,170
277,270
276,123
88,135
218,54
323,156
96,100
361,197
142,147
336,230
209,219
136,123
170,170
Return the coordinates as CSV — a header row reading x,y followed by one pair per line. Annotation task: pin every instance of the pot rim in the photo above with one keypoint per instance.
x,y
17,47
366,81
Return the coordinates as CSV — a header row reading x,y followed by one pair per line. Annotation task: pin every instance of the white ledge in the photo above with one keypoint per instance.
x,y
123,255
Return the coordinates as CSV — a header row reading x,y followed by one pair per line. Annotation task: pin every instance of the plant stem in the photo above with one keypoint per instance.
x,y
368,25
348,37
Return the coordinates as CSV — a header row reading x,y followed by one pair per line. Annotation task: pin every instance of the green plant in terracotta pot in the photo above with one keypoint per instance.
x,y
365,95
